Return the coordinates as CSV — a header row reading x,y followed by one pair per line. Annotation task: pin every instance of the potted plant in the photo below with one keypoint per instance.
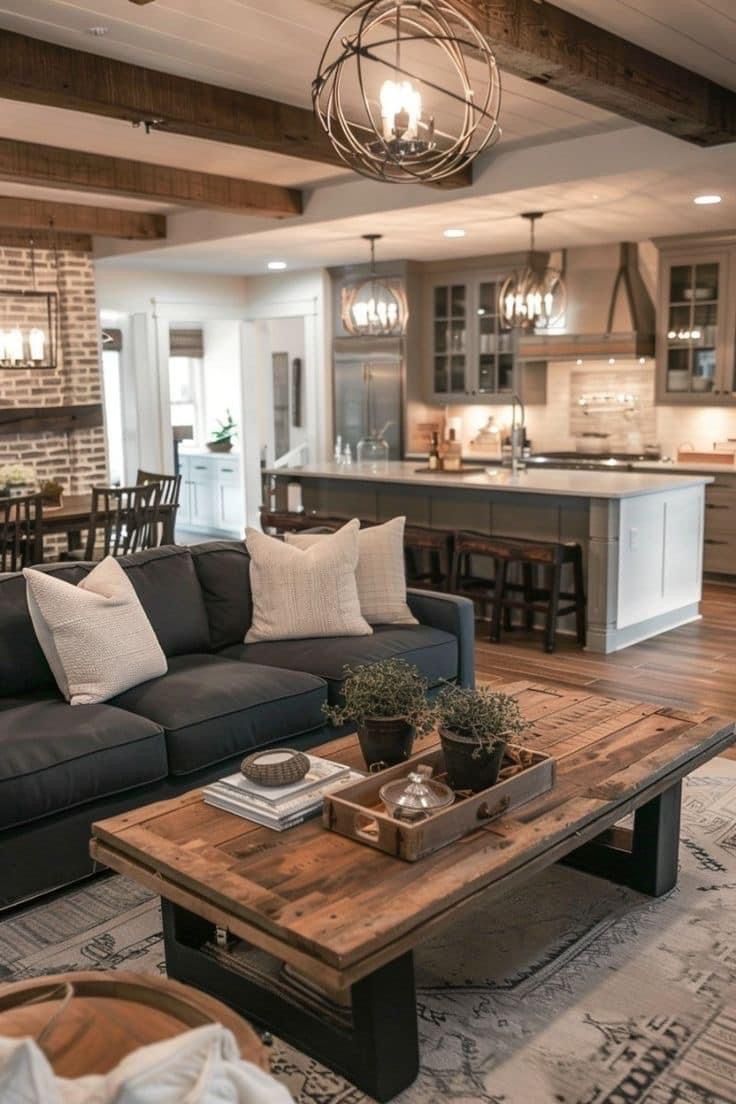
x,y
222,438
475,727
387,702
51,492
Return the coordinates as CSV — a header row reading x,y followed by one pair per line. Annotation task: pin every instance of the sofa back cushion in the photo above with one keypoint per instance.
x,y
223,569
23,666
169,591
166,584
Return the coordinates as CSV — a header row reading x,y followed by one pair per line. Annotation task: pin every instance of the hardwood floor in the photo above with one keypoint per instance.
x,y
691,666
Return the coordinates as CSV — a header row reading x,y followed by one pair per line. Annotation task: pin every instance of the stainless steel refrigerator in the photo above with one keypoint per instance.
x,y
369,390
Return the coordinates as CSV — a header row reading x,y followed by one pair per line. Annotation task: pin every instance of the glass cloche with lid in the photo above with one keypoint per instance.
x,y
416,797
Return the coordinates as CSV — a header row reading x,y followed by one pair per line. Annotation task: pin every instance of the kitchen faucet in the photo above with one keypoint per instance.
x,y
518,433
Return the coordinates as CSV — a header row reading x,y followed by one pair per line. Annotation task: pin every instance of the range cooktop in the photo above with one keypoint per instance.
x,y
588,462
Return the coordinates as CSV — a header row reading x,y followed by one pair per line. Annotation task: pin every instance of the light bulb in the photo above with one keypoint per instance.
x,y
14,345
37,344
397,99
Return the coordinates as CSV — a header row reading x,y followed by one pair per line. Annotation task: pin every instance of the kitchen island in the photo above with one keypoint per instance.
x,y
641,533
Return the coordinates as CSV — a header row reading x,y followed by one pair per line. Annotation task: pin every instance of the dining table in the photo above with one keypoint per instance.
x,y
74,514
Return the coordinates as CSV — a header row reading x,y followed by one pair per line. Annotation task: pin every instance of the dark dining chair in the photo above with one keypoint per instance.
x,y
21,532
170,495
122,520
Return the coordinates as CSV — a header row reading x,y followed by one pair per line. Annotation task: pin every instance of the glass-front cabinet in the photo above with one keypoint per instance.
x,y
472,351
696,343
450,339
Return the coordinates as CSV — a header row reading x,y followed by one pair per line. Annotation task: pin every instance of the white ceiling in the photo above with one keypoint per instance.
x,y
272,47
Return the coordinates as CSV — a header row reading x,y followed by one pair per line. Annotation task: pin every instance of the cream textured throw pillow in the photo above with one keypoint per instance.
x,y
381,572
96,636
305,592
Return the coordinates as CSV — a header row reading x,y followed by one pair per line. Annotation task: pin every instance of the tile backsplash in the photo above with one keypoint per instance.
x,y
554,426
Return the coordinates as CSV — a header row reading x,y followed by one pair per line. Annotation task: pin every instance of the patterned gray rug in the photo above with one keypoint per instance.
x,y
571,991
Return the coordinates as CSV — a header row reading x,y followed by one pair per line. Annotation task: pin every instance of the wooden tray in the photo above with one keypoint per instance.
x,y
687,456
109,1016
466,469
358,812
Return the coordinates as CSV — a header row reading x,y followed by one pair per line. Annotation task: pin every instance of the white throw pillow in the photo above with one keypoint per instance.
x,y
96,636
381,571
305,592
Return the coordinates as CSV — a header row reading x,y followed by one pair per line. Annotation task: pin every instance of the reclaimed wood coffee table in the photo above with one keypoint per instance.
x,y
311,934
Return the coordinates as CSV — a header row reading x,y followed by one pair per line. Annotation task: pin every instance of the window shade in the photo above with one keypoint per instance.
x,y
186,343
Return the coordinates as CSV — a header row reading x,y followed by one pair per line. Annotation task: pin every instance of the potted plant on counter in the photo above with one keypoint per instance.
x,y
222,437
387,702
475,727
14,479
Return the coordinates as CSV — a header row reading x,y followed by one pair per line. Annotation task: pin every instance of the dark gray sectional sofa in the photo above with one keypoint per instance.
x,y
63,767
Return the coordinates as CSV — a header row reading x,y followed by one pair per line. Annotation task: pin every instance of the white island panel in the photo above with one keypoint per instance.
x,y
660,557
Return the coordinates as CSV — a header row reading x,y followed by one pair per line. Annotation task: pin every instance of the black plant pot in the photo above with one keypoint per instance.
x,y
385,741
469,766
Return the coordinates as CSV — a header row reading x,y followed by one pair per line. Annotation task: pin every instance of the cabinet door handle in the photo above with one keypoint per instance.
x,y
200,467
709,540
233,469
713,506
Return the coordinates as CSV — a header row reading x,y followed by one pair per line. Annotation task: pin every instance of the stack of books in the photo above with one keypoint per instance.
x,y
280,807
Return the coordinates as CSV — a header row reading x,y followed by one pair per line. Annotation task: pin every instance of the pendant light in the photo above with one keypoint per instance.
x,y
32,318
408,90
376,306
533,298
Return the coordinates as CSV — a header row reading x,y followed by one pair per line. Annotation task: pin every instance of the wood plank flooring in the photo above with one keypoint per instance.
x,y
691,666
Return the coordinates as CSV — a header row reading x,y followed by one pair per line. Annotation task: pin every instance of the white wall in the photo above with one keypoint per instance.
x,y
222,369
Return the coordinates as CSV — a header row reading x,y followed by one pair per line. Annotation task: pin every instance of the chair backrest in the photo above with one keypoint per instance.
x,y
170,485
126,519
21,532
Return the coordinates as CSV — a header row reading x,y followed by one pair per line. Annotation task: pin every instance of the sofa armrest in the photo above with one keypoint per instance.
x,y
453,615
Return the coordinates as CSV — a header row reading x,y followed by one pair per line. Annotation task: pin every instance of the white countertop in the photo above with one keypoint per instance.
x,y
571,484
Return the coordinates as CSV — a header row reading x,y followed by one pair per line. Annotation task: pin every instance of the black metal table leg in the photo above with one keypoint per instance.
x,y
373,1043
644,859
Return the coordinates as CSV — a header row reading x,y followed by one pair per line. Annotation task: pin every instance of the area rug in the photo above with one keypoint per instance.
x,y
569,991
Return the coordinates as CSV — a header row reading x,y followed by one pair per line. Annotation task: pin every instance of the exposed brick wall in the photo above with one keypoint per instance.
x,y
76,459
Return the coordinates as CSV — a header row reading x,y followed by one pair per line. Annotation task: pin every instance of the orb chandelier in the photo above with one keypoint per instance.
x,y
533,298
374,307
408,90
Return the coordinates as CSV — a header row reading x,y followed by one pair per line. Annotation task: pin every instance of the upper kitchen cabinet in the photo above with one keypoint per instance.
x,y
696,322
471,351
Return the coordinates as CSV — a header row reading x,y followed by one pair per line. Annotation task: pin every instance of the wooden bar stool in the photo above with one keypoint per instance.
x,y
283,521
428,554
550,557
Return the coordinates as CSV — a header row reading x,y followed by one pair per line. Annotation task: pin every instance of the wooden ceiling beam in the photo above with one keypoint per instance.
x,y
30,163
546,45
34,71
78,218
539,42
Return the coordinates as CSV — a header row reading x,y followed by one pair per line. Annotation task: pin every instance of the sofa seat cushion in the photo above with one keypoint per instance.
x,y
212,709
54,756
434,652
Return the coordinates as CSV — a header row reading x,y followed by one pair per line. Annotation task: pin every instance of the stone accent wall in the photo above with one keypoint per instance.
x,y
75,459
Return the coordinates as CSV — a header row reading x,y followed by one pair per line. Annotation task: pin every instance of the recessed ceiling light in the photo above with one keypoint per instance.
x,y
454,232
98,32
277,266
707,200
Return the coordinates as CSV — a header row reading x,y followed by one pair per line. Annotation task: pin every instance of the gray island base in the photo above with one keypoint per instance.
x,y
641,534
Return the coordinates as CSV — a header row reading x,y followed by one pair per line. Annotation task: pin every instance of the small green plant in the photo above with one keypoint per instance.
x,y
484,715
226,430
51,490
391,688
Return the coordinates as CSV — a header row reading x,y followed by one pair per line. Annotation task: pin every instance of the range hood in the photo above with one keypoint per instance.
x,y
610,311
